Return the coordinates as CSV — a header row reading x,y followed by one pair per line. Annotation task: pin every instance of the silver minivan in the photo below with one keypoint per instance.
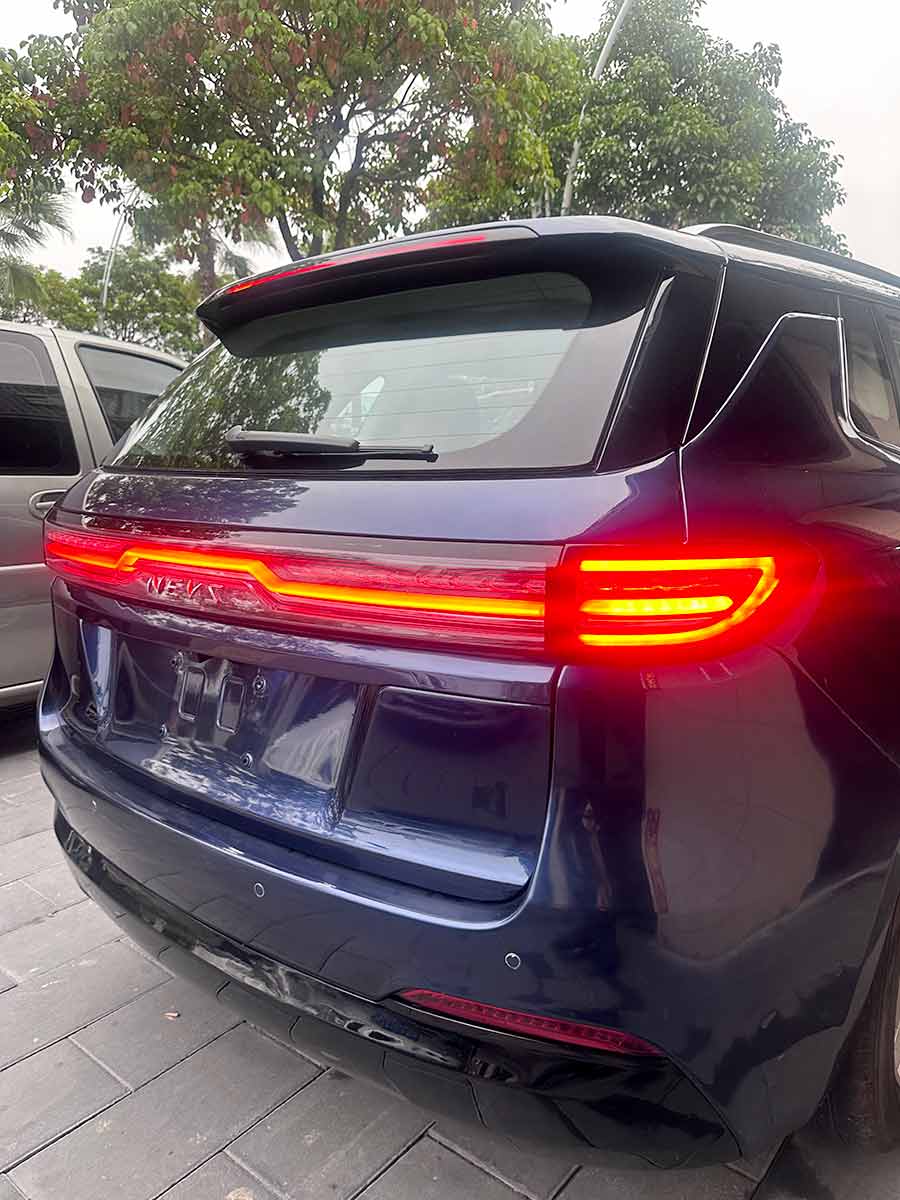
x,y
65,398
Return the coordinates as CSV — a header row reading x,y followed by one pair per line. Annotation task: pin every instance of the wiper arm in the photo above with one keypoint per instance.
x,y
307,445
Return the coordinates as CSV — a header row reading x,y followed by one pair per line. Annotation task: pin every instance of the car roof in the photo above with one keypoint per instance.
x,y
72,337
811,263
705,245
751,247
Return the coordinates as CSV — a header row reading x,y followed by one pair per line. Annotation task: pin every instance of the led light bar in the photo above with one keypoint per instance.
x,y
468,602
389,250
579,606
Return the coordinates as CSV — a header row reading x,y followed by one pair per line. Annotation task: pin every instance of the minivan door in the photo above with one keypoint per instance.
x,y
43,450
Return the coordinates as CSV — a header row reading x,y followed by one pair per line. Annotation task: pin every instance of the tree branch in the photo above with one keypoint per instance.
x,y
290,242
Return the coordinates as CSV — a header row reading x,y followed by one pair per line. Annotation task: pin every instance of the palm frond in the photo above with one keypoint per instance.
x,y
52,214
233,263
261,237
26,220
19,281
12,240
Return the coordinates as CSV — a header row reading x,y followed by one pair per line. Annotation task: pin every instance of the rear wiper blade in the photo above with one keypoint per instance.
x,y
308,445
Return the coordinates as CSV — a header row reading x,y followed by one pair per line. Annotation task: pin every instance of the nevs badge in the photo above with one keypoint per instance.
x,y
170,587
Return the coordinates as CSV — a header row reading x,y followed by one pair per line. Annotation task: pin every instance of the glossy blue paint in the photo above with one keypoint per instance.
x,y
445,792
468,510
530,1092
702,853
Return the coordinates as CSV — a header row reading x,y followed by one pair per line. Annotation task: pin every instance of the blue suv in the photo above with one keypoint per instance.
x,y
480,665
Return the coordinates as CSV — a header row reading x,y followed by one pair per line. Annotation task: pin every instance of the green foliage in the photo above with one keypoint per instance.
x,y
685,128
147,302
329,117
28,212
682,129
29,158
347,120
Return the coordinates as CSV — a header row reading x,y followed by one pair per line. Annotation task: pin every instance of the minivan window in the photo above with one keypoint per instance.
x,y
873,406
35,434
124,384
512,372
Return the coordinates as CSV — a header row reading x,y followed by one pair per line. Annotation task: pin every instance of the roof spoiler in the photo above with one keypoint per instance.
x,y
319,280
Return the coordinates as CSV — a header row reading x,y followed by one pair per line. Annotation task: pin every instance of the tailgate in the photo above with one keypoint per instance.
x,y
340,752
309,593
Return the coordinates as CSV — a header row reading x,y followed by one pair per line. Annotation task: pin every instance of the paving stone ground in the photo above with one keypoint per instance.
x,y
105,1095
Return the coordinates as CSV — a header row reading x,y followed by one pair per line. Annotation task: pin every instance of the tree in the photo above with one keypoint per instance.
x,y
683,128
147,302
328,118
155,228
27,214
346,120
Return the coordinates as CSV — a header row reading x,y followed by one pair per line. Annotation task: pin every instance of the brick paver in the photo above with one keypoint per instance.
x,y
44,1096
331,1139
120,1082
156,1031
220,1177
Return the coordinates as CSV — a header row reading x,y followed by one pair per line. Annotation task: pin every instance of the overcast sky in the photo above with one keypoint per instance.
x,y
840,76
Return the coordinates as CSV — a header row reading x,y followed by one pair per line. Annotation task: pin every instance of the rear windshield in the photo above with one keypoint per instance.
x,y
512,372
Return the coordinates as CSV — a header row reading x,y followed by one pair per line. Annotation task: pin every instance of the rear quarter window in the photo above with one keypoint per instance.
x,y
873,405
752,304
512,372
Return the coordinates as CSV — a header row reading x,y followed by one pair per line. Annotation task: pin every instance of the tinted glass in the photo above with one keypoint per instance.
x,y
35,435
783,411
890,325
872,403
124,384
518,371
751,306
654,413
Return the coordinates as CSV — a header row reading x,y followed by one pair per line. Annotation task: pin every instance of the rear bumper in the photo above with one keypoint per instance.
x,y
586,1106
717,872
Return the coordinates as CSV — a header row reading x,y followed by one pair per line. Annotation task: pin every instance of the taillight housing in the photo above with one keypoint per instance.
x,y
613,601
552,1029
452,601
586,604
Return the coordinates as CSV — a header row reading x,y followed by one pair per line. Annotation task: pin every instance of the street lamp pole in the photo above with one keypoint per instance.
x,y
598,71
107,271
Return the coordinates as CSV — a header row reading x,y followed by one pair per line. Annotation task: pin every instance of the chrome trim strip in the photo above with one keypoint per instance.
x,y
706,353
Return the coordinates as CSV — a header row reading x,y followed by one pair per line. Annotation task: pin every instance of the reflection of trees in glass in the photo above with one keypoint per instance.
x,y
187,427
204,499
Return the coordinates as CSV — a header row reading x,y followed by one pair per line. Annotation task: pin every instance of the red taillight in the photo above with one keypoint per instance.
x,y
593,603
272,276
390,250
468,602
554,1029
624,601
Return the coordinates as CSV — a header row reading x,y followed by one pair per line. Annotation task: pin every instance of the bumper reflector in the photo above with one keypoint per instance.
x,y
553,1029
